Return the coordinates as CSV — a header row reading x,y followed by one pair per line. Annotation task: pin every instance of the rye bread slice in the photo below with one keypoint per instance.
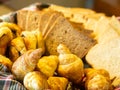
x,y
33,20
21,18
63,33
45,19
81,28
50,23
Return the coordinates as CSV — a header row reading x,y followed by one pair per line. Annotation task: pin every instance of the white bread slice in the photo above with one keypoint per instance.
x,y
78,15
115,23
69,12
106,56
98,26
66,11
102,29
107,35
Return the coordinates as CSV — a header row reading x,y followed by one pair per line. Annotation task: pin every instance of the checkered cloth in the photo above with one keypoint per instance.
x,y
7,80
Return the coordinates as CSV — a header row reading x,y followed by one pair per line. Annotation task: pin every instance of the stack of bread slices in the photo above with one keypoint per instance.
x,y
56,29
105,54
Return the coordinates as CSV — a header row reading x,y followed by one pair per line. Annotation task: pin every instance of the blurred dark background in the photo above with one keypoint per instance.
x,y
109,7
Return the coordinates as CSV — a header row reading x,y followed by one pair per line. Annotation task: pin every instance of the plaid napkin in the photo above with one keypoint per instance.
x,y
7,80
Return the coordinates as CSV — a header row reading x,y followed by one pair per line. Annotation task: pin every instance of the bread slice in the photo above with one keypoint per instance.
x,y
115,23
106,56
45,19
81,28
66,11
102,29
33,20
21,18
63,33
50,23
